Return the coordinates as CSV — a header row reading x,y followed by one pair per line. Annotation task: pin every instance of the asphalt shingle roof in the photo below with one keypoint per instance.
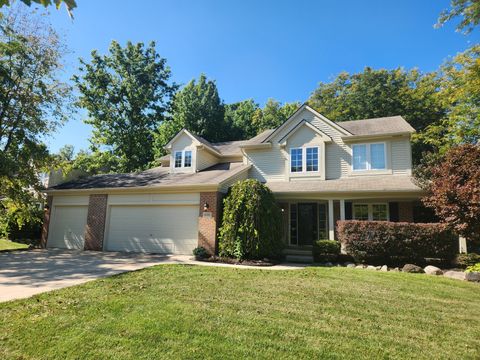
x,y
377,126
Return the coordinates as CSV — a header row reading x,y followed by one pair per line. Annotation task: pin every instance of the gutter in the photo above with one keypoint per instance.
x,y
376,136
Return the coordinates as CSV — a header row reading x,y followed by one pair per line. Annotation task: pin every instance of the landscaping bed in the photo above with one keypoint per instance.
x,y
227,260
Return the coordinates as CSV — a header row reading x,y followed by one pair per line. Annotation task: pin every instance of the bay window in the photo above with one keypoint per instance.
x,y
368,156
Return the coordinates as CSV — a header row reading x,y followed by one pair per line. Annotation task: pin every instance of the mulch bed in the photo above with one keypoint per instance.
x,y
224,260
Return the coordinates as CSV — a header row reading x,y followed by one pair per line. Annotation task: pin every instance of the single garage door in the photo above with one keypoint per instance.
x,y
168,229
67,227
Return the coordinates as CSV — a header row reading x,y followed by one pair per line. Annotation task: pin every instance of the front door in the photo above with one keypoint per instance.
x,y
307,223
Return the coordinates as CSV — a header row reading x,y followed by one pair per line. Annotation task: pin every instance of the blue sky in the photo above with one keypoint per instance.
x,y
264,48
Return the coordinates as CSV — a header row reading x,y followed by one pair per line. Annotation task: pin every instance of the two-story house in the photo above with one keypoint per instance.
x,y
319,171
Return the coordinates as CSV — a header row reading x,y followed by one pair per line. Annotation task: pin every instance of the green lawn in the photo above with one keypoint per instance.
x,y
179,311
10,245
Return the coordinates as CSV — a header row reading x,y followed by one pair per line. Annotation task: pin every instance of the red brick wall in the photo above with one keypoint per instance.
x,y
94,231
208,226
46,222
405,211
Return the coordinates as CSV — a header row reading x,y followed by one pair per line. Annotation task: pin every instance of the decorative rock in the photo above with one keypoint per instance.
x,y
458,275
378,267
396,269
433,270
350,265
371,267
411,268
384,268
360,267
473,276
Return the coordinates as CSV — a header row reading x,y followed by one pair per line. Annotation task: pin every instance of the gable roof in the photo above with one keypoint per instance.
x,y
198,139
310,126
378,126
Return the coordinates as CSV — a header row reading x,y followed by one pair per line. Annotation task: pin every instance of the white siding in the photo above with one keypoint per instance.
x,y
226,185
205,159
401,156
184,142
155,199
267,164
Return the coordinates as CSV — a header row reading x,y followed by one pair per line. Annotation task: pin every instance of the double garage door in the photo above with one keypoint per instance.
x,y
154,228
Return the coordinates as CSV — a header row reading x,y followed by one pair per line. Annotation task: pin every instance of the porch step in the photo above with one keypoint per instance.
x,y
304,259
297,251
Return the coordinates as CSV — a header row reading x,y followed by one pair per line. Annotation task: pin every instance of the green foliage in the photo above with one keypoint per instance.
x,y
327,247
239,118
382,242
127,94
200,252
466,260
273,115
251,225
33,102
70,4
460,95
473,268
468,10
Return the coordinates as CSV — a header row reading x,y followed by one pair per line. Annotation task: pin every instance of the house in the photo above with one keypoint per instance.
x,y
320,171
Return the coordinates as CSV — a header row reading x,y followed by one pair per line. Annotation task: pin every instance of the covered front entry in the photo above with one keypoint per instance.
x,y
308,223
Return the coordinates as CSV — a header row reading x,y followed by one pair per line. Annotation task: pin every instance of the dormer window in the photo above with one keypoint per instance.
x,y
304,159
183,159
368,156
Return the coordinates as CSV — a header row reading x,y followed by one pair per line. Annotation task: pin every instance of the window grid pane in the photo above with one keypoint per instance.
x,y
178,159
359,157
293,224
188,159
360,212
379,212
296,160
312,159
377,155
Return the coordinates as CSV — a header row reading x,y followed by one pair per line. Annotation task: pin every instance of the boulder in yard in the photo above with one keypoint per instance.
x,y
384,268
371,267
360,267
433,270
411,268
458,275
473,276
350,265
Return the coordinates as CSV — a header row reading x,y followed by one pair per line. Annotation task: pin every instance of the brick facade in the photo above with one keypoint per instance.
x,y
405,211
46,221
94,231
208,226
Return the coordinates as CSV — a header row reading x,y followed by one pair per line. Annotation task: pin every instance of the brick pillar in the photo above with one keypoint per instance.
x,y
405,211
208,225
97,212
46,221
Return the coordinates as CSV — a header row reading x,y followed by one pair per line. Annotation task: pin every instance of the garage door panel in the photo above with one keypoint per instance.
x,y
68,227
156,229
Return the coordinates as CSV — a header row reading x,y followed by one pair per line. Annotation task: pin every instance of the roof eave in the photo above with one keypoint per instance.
x,y
375,136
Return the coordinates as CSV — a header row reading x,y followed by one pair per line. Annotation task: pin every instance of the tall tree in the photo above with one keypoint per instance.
x,y
273,114
467,10
70,4
378,93
239,118
33,102
127,94
460,95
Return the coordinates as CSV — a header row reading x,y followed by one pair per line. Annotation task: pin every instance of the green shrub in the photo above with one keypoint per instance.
x,y
474,268
200,252
465,260
251,225
385,242
326,250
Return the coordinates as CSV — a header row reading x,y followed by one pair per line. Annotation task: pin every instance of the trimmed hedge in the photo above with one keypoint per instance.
x,y
382,242
326,250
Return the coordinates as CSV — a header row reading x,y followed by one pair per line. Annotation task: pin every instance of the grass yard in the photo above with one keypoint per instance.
x,y
10,245
179,311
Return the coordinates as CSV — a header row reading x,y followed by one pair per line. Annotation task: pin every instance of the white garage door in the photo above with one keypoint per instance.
x,y
67,227
171,229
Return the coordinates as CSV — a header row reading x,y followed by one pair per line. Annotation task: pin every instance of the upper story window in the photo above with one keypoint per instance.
x,y
183,159
304,159
369,156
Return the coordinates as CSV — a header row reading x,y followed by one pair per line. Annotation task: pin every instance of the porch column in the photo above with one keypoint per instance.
x,y
331,229
342,209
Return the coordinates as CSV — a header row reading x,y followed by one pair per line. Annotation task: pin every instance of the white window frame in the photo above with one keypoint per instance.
x,y
370,210
369,159
304,160
182,152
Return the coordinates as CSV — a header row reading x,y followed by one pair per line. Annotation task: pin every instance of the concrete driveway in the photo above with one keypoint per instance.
x,y
25,273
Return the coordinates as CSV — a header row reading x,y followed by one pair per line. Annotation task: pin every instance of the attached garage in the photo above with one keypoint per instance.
x,y
67,225
153,223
